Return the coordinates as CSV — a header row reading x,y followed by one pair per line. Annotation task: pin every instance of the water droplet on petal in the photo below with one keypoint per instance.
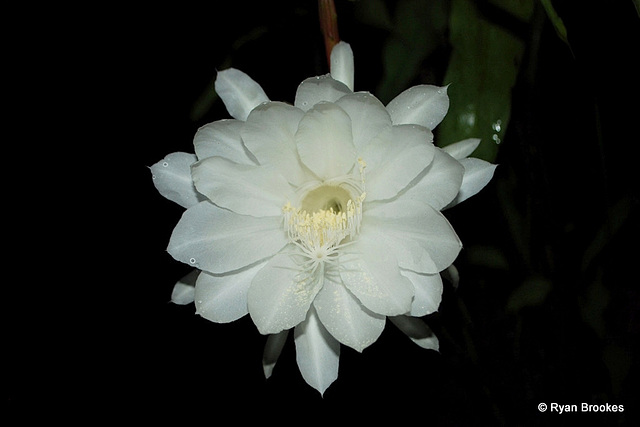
x,y
165,164
192,260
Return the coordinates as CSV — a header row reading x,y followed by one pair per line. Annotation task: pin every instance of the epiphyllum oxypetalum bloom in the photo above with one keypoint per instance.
x,y
322,217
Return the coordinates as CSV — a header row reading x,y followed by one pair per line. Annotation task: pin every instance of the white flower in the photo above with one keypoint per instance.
x,y
322,217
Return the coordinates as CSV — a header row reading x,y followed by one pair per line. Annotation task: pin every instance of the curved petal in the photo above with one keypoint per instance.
x,y
272,349
280,295
221,139
184,290
368,117
461,149
222,298
423,105
239,92
477,174
325,141
172,178
344,317
317,353
428,292
245,189
317,89
400,154
342,64
372,274
438,184
420,229
417,331
218,241
269,134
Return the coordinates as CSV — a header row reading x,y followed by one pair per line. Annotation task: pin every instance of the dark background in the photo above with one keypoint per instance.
x,y
547,307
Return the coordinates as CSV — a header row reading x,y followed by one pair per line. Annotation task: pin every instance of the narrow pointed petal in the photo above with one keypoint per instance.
x,y
325,141
318,89
461,149
184,290
222,298
428,292
342,64
424,105
317,353
280,295
245,189
221,139
372,274
272,349
172,179
417,331
239,92
218,241
345,317
477,174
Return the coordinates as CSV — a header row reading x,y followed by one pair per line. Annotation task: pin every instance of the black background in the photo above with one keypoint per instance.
x,y
112,346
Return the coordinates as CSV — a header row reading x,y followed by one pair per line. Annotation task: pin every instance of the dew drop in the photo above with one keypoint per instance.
x,y
165,164
192,260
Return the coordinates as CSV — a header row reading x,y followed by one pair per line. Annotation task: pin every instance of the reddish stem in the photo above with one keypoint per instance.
x,y
328,25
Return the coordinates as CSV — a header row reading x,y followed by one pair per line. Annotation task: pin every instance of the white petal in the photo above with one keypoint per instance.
x,y
184,290
272,350
317,353
477,174
172,179
221,139
438,184
345,317
418,331
222,298
400,155
317,89
239,92
372,274
368,117
461,149
217,240
245,189
269,134
424,105
424,231
325,141
428,292
280,295
342,64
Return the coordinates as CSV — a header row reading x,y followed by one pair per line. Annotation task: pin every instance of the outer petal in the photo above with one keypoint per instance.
x,y
420,229
245,189
368,117
272,350
221,139
372,274
461,149
423,105
184,290
239,92
400,154
342,64
222,298
218,241
172,179
428,292
325,141
477,174
269,134
317,89
418,331
317,353
280,295
438,184
344,317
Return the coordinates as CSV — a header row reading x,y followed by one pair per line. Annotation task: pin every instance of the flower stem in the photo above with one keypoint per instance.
x,y
328,25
